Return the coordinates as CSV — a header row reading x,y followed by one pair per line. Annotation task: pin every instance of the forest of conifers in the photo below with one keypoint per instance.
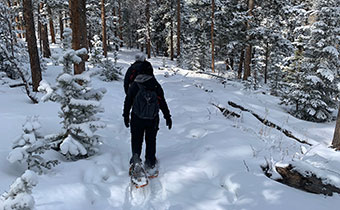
x,y
289,46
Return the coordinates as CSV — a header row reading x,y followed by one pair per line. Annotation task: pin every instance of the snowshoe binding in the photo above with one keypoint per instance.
x,y
152,171
138,175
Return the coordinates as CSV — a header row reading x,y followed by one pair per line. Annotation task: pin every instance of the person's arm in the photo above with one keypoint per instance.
x,y
162,102
131,93
127,80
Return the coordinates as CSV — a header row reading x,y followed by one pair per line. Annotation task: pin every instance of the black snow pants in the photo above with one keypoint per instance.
x,y
139,128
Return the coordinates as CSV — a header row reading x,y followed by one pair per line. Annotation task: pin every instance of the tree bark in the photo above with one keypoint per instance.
x,y
212,36
114,15
240,66
61,25
104,40
336,137
120,22
178,27
248,56
44,36
148,35
52,32
79,32
39,33
266,64
32,44
171,33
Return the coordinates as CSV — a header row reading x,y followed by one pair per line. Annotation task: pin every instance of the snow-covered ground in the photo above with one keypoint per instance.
x,y
207,161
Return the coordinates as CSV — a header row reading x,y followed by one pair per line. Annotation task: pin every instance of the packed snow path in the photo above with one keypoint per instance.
x,y
207,161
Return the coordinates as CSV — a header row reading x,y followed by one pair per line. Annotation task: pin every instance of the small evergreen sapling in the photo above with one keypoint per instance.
x,y
19,196
109,71
79,105
30,146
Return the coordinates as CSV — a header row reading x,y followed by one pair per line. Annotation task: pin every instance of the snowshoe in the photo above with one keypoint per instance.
x,y
138,176
152,171
137,173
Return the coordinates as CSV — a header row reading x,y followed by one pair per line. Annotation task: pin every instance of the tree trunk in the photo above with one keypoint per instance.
x,y
79,32
178,27
44,36
247,62
171,33
61,25
212,36
148,42
114,15
266,64
52,32
104,40
336,137
240,66
39,33
32,44
120,22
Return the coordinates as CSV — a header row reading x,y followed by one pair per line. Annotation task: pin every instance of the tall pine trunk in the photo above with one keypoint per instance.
x,y
148,38
336,137
171,33
104,40
266,63
44,35
79,32
120,22
248,56
52,32
178,27
212,36
32,44
240,66
61,25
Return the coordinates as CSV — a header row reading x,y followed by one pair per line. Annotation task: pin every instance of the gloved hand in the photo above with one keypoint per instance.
x,y
168,122
126,121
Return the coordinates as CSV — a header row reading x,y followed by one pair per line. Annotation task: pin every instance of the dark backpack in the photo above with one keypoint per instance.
x,y
145,104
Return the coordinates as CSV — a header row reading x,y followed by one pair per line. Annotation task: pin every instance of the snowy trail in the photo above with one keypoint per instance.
x,y
206,160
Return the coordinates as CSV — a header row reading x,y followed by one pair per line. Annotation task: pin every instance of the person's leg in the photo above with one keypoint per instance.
x,y
137,133
150,140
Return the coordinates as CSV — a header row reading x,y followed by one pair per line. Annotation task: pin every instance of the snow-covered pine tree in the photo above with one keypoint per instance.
x,y
30,146
96,56
158,25
109,71
269,33
320,65
79,105
195,52
13,59
8,41
20,196
230,30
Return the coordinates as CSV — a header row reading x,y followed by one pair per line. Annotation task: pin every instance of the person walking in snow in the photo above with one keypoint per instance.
x,y
145,96
140,64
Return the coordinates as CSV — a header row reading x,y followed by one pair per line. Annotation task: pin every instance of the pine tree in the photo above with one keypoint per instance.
x,y
13,59
30,146
32,44
319,66
19,196
79,106
196,45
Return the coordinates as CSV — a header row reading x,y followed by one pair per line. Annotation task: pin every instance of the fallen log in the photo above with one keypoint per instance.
x,y
19,85
268,123
226,112
308,183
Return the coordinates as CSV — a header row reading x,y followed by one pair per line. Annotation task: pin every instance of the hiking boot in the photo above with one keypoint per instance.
x,y
134,161
152,170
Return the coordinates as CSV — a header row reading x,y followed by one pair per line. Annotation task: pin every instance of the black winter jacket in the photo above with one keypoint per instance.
x,y
138,67
150,83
